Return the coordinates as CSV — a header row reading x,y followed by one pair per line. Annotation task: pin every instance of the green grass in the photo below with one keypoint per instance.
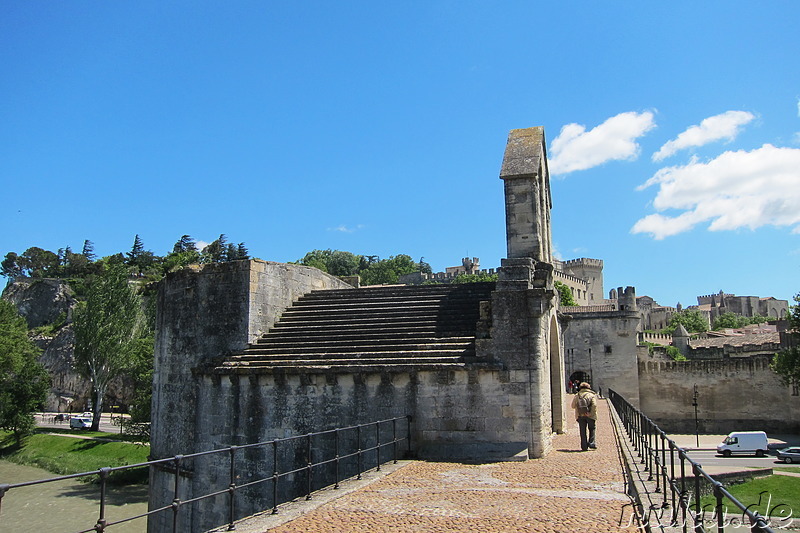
x,y
67,455
774,497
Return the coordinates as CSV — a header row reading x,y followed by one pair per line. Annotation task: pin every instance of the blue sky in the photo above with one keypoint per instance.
x,y
379,128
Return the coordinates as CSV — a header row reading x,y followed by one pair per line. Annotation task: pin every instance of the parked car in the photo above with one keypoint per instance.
x,y
789,455
744,442
80,422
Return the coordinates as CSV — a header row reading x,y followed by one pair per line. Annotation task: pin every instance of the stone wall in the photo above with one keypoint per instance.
x,y
204,313
601,343
734,395
455,414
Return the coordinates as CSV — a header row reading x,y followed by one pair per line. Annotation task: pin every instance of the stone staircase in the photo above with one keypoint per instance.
x,y
372,328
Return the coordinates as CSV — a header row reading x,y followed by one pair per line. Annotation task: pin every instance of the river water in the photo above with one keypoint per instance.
x,y
65,506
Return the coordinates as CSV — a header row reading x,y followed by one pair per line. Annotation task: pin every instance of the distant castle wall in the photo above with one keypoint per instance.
x,y
655,338
600,345
417,278
590,270
579,287
734,395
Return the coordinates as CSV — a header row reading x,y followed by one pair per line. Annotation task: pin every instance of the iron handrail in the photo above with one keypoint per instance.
x,y
174,463
658,455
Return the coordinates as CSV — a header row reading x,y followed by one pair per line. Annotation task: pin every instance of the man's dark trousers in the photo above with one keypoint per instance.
x,y
586,425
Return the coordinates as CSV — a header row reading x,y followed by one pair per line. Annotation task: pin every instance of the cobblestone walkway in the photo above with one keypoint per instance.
x,y
567,491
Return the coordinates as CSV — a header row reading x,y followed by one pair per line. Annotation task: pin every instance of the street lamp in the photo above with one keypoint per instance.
x,y
696,423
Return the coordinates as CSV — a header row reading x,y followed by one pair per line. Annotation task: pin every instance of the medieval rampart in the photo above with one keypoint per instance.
x,y
734,395
416,278
583,261
655,338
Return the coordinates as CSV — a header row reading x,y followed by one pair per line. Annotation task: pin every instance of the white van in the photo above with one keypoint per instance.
x,y
744,442
80,422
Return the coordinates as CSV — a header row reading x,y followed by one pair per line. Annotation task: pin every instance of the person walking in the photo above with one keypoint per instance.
x,y
585,405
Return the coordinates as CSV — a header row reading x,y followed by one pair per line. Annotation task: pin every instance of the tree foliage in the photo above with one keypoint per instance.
x,y
693,320
370,268
567,299
107,327
23,380
474,278
734,321
786,363
388,271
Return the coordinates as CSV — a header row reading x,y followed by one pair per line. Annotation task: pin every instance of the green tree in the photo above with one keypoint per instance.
x,y
141,368
242,252
424,267
23,381
474,278
216,252
88,250
10,266
786,363
317,259
387,271
107,326
184,244
343,263
567,299
136,250
693,320
38,263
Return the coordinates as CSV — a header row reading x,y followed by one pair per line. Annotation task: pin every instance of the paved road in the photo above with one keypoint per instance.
x,y
711,458
45,420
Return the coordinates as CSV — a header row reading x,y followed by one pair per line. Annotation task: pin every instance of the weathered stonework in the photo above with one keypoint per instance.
x,y
504,404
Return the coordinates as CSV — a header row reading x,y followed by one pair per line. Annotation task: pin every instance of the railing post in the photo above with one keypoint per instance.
x,y
101,521
656,465
672,481
309,467
408,434
360,463
720,515
3,490
394,438
652,450
176,502
664,475
644,426
232,491
336,457
698,517
378,446
684,501
275,476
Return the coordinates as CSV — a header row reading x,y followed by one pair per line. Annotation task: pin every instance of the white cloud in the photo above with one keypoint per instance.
x,y
736,190
724,126
342,228
615,139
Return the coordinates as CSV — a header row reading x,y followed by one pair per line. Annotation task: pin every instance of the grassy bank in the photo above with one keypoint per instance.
x,y
67,455
775,497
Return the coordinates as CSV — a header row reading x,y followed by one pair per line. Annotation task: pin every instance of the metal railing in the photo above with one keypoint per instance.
x,y
681,493
367,450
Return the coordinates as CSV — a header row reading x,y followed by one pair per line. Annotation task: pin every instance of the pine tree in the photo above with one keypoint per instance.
x,y
88,250
136,250
217,251
184,244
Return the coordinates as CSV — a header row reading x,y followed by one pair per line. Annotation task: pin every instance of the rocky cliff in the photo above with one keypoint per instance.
x,y
46,301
